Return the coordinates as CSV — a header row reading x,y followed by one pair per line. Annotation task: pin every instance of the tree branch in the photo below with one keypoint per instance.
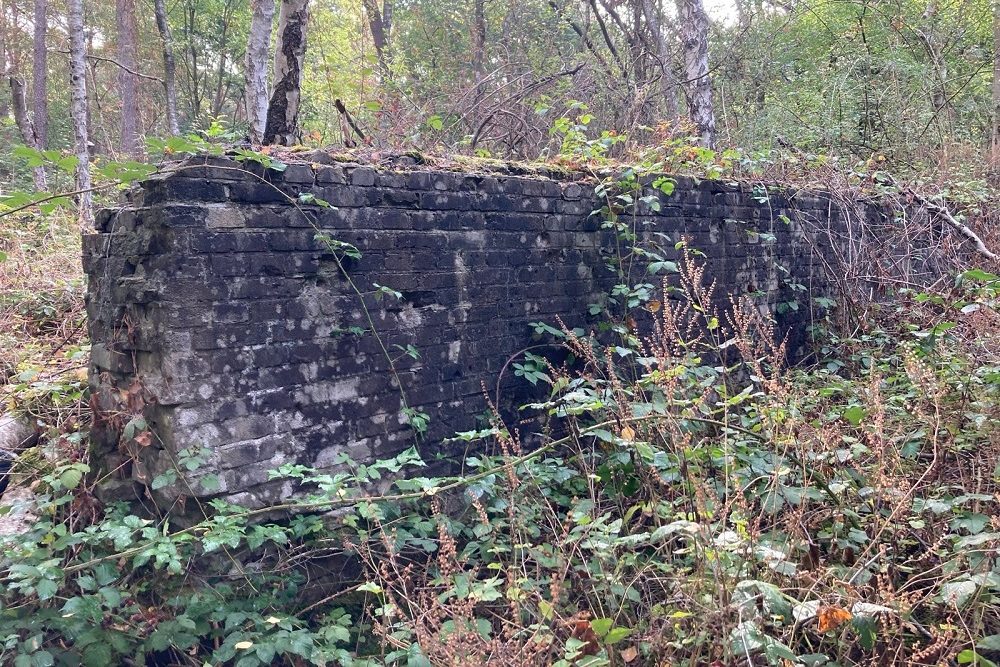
x,y
116,64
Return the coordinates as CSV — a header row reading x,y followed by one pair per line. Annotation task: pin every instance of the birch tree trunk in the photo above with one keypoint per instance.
x,y
40,88
169,65
20,106
78,109
282,125
693,22
40,77
17,101
127,80
255,69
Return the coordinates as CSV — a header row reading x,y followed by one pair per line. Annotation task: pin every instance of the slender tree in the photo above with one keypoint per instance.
x,y
40,87
478,41
255,70
995,135
22,119
78,108
40,76
128,82
929,32
18,105
4,104
668,80
283,112
380,25
693,22
169,65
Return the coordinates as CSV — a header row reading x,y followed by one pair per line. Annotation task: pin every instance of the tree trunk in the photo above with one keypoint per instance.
x,y
221,85
478,42
929,33
193,78
255,69
283,112
4,105
995,138
40,77
127,81
693,21
40,89
21,118
78,108
387,21
169,65
668,81
380,27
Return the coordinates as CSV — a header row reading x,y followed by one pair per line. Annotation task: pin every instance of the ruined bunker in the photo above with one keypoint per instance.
x,y
222,321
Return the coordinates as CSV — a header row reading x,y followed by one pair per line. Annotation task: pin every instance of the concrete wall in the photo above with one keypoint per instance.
x,y
216,313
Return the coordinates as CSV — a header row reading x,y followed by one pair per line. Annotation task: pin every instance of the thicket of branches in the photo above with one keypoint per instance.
x,y
915,81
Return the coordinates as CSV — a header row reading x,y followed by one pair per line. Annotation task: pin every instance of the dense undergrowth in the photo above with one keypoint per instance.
x,y
702,504
695,514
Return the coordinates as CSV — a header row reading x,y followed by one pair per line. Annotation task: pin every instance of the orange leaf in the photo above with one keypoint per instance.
x,y
630,654
628,433
580,629
654,306
831,618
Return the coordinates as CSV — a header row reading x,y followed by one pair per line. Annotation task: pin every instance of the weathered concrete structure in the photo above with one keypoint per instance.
x,y
217,314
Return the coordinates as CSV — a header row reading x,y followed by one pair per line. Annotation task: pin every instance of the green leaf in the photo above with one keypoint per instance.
x,y
42,659
667,266
46,589
601,626
854,414
71,477
775,649
166,479
865,626
97,654
616,635
958,592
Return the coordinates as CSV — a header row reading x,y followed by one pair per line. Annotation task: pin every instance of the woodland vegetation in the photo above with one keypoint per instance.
x,y
841,512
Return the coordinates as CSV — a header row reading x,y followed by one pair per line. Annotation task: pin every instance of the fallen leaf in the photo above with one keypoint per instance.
x,y
831,618
630,654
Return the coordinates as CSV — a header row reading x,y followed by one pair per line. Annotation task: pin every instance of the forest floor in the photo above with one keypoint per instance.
x,y
43,353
